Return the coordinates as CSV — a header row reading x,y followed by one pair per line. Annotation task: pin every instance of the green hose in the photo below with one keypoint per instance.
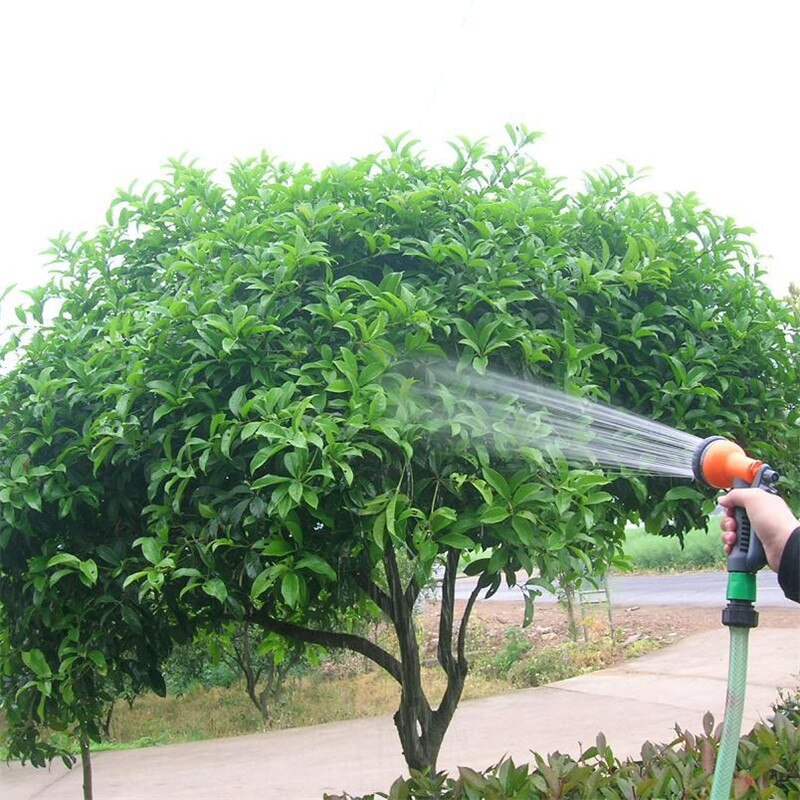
x,y
734,709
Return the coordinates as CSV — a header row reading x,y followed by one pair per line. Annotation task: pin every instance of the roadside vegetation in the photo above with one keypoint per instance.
x,y
768,766
701,549
207,693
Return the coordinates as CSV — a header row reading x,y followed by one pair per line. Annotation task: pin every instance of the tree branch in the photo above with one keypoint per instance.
x,y
347,641
444,651
412,592
393,578
462,628
406,640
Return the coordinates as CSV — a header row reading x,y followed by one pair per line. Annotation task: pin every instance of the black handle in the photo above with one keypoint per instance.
x,y
748,553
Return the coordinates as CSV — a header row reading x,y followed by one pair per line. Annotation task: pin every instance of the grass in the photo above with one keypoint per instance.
x,y
213,712
702,550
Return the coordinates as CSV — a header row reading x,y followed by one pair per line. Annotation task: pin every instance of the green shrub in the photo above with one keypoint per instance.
x,y
768,766
788,705
566,660
516,646
553,664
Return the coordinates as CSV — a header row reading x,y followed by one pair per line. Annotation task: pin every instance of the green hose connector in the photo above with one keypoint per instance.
x,y
734,710
742,586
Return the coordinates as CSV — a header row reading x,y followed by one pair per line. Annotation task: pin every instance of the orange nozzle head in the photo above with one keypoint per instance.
x,y
718,462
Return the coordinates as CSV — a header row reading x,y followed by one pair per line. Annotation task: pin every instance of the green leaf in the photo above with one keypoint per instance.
x,y
484,490
391,509
151,549
261,583
186,572
59,574
108,554
378,530
442,517
89,571
100,660
64,558
497,482
593,498
525,530
290,588
226,441
237,400
157,682
529,493
494,514
31,496
277,547
36,662
337,386
269,480
529,609
457,540
476,567
215,587
317,565
684,493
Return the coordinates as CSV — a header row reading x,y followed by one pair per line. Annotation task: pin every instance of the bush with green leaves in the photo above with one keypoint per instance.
x,y
767,768
515,648
211,415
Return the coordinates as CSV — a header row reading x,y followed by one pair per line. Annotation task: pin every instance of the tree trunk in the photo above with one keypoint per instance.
x,y
421,728
86,766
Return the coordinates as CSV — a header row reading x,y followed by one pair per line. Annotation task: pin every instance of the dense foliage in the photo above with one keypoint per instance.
x,y
211,415
768,766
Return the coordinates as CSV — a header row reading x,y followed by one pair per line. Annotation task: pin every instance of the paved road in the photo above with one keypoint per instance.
x,y
687,589
641,699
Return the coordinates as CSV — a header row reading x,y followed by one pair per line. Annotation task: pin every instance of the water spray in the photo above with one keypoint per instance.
x,y
586,432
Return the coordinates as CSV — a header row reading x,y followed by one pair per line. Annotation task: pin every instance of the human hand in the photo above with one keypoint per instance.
x,y
772,519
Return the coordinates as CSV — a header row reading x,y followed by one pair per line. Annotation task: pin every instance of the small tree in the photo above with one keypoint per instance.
x,y
264,662
222,414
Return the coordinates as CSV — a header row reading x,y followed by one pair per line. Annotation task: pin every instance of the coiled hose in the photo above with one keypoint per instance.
x,y
734,709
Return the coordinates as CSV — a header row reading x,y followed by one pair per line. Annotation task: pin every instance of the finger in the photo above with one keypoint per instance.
x,y
727,524
736,497
729,538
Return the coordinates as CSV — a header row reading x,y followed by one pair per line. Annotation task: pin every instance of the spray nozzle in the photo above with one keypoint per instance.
x,y
722,464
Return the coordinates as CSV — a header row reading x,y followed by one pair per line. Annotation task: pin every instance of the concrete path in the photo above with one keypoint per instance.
x,y
640,700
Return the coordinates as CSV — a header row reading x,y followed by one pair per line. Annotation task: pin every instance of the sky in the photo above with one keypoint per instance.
x,y
97,94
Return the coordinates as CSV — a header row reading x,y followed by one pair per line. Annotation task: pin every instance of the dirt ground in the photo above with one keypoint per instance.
x,y
550,625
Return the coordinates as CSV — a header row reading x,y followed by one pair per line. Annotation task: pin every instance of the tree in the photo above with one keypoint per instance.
x,y
264,663
221,421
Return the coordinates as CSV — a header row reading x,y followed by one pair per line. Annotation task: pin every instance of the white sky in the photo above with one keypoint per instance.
x,y
96,94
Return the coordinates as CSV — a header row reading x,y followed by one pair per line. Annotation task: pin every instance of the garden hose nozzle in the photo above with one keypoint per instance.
x,y
722,464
